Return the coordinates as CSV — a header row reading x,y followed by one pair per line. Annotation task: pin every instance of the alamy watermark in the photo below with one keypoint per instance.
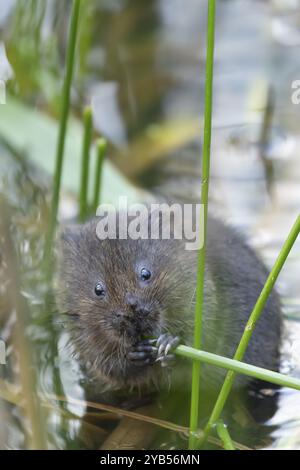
x,y
154,221
295,97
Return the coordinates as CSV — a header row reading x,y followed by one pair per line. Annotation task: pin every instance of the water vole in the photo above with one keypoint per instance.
x,y
119,293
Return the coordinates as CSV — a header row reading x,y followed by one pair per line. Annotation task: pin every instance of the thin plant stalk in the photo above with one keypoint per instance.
x,y
194,413
224,435
82,404
85,163
63,125
265,136
254,317
101,146
268,117
238,367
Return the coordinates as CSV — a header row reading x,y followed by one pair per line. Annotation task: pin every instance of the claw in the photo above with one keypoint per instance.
x,y
168,360
160,349
168,347
165,344
159,359
161,339
172,344
147,342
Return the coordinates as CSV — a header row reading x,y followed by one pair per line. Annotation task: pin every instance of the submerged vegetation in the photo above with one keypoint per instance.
x,y
89,186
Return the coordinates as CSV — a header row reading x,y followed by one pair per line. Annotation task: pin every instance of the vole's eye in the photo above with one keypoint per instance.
x,y
145,274
99,290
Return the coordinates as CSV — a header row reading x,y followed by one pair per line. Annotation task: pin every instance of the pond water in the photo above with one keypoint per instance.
x,y
142,64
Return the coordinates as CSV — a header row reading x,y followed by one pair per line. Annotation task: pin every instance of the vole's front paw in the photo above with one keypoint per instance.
x,y
165,344
144,353
149,351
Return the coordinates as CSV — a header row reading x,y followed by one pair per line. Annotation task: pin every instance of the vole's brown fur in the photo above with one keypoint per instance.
x,y
106,330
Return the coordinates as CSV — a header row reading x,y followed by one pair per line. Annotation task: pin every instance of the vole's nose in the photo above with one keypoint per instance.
x,y
136,305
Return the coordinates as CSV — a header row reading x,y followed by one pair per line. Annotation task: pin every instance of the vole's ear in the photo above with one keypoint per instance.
x,y
69,234
68,238
68,243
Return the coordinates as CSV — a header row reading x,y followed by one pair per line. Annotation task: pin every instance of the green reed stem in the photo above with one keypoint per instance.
x,y
194,413
238,367
63,125
224,435
101,146
85,163
254,317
